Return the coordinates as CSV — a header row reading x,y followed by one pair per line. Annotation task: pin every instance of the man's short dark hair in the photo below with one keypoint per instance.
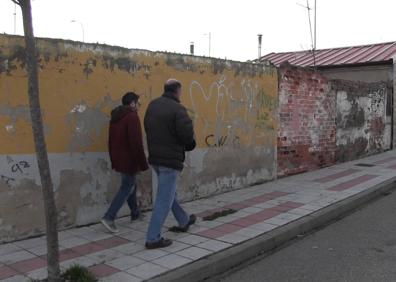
x,y
172,85
129,97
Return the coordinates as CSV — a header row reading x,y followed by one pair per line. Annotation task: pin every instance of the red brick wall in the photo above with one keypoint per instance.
x,y
307,129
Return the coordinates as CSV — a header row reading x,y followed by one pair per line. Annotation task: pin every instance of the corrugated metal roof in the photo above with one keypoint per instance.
x,y
372,53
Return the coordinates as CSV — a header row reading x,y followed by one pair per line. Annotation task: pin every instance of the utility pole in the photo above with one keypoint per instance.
x,y
210,41
82,29
15,9
315,28
313,34
314,47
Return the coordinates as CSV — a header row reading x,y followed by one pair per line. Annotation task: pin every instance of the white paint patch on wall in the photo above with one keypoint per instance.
x,y
79,108
10,128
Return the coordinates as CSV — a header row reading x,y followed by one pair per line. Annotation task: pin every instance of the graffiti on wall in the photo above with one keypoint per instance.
x,y
14,170
232,113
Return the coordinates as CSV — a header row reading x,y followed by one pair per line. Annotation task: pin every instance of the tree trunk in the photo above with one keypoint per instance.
x,y
40,146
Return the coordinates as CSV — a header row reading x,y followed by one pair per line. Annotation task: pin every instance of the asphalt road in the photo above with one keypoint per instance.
x,y
361,247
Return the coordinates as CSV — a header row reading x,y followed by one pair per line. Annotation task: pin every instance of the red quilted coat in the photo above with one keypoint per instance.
x,y
126,142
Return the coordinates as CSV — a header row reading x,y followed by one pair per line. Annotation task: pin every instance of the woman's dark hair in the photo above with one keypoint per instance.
x,y
129,97
172,86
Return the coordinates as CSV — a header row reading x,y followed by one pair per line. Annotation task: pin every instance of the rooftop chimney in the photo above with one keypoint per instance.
x,y
192,48
260,36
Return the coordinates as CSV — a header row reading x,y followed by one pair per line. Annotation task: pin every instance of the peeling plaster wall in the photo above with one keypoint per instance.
x,y
327,121
307,129
233,106
361,119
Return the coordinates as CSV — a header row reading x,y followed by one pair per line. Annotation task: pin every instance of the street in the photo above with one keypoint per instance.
x,y
361,247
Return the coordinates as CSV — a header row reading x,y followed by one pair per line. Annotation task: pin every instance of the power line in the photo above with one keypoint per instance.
x,y
15,10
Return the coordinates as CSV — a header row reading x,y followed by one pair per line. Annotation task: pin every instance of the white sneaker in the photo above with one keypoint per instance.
x,y
110,225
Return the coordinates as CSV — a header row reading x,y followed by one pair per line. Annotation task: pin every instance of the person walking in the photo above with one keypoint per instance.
x,y
170,134
126,155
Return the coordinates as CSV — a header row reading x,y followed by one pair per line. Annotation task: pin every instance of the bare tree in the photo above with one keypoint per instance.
x,y
51,214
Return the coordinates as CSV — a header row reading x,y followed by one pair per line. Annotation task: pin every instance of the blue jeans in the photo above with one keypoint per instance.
x,y
127,192
165,201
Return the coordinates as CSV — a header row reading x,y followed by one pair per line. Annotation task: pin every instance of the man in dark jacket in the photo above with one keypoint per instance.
x,y
127,156
170,134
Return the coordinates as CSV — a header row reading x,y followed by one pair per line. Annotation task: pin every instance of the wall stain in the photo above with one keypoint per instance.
x,y
352,150
87,123
68,195
180,63
21,210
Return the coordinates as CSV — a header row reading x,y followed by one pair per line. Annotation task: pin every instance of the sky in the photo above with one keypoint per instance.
x,y
234,25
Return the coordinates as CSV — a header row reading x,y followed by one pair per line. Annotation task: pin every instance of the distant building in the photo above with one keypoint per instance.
x,y
366,63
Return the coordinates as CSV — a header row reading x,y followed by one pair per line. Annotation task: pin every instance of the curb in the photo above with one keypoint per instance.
x,y
222,261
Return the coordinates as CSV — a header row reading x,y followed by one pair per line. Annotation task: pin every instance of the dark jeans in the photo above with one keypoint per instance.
x,y
127,193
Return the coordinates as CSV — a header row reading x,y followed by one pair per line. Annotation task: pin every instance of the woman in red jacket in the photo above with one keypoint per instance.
x,y
127,156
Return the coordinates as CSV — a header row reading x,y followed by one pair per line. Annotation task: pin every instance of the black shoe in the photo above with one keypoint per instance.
x,y
137,216
162,243
184,229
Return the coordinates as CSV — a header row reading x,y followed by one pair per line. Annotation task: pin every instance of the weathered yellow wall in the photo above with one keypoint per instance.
x,y
95,77
233,105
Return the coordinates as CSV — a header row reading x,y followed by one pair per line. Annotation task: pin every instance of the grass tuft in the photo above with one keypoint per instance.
x,y
77,273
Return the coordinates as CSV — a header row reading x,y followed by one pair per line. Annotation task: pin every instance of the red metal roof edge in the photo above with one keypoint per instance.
x,y
304,58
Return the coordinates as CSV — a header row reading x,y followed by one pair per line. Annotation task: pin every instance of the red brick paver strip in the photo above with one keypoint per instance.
x,y
112,242
337,175
246,203
242,222
249,220
88,248
211,233
64,255
392,167
81,250
351,183
227,228
25,266
103,270
7,272
67,254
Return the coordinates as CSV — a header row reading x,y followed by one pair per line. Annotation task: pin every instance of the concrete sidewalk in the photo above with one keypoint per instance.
x,y
267,216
